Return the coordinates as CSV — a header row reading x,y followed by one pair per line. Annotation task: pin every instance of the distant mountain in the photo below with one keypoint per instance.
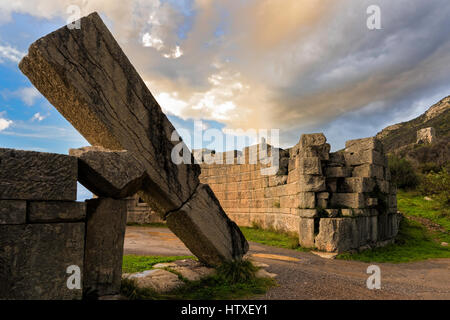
x,y
401,139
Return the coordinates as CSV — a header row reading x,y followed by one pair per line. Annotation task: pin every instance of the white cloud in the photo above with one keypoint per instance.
x,y
27,94
151,41
4,123
293,65
174,54
38,117
9,53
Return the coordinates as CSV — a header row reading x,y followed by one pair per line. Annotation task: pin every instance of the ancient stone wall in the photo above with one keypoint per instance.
x,y
44,231
334,201
139,212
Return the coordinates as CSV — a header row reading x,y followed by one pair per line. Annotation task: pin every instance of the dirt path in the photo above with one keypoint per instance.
x,y
306,276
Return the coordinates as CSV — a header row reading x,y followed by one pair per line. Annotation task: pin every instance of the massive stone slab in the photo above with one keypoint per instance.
x,y
205,229
34,259
87,77
13,211
108,173
29,175
85,74
105,233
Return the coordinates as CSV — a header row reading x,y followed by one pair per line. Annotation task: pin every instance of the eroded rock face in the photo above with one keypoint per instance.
x,y
87,77
426,135
109,173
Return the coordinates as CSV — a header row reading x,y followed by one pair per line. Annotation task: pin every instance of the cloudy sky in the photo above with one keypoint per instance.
x,y
297,65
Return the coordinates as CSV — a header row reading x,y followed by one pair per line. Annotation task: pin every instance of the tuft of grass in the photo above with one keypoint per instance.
x,y
134,263
413,243
233,280
237,271
272,238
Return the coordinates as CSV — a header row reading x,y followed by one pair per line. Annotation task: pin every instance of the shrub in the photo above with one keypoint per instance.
x,y
403,173
437,185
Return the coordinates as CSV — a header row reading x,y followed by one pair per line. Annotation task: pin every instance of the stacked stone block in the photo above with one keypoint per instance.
x,y
334,201
44,231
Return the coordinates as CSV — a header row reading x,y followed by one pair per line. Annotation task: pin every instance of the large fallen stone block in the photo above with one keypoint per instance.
x,y
105,233
87,77
206,230
85,74
13,211
108,173
34,260
29,175
56,211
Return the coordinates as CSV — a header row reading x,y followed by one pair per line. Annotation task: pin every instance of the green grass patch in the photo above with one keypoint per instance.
x,y
413,243
272,238
233,280
413,204
134,263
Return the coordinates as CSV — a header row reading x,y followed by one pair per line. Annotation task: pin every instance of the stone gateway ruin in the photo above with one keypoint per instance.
x,y
335,202
53,247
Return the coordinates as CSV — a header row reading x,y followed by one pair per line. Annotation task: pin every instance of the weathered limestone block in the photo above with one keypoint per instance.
x,y
306,232
29,175
35,257
311,165
13,211
87,77
307,213
349,200
321,151
310,183
206,230
108,173
336,159
358,212
335,235
55,211
307,200
369,170
383,185
322,199
356,145
365,157
105,233
356,185
312,139
338,172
